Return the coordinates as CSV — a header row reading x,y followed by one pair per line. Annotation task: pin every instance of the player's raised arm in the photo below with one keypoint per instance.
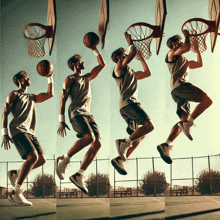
x,y
41,97
96,70
64,96
8,105
198,63
132,51
143,74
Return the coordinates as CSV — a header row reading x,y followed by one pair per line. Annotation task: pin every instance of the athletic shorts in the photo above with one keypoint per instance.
x,y
185,93
133,114
83,124
26,143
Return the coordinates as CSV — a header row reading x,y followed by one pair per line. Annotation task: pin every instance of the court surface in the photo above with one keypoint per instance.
x,y
193,207
41,209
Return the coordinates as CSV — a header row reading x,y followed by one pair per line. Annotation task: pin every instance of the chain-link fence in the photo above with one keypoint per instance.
x,y
188,176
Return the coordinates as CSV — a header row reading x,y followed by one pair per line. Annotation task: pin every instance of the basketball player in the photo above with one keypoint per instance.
x,y
138,121
182,91
21,105
77,87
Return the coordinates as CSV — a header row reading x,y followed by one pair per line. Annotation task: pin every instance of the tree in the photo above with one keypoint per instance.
x,y
98,185
153,183
43,185
203,183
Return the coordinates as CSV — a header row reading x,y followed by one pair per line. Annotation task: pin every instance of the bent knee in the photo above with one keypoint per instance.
x,y
89,138
97,143
150,126
33,156
42,159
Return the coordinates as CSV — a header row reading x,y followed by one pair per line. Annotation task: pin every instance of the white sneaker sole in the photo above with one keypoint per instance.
x,y
57,171
76,184
118,149
185,132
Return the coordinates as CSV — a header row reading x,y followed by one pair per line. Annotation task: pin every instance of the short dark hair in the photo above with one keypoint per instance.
x,y
173,39
18,76
73,59
116,53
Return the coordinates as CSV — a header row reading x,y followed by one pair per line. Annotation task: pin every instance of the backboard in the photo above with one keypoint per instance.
x,y
161,12
51,21
103,19
214,15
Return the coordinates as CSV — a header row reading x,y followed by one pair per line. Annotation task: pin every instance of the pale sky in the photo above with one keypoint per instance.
x,y
74,20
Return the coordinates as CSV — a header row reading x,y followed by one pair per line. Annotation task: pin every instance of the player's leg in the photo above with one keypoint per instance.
x,y
27,150
81,125
134,115
196,95
164,148
77,178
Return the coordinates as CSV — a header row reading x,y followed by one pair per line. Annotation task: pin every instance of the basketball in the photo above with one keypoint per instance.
x,y
45,68
91,40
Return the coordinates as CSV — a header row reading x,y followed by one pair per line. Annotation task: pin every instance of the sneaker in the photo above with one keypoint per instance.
x,y
61,166
77,179
185,127
164,150
17,198
122,148
13,176
117,163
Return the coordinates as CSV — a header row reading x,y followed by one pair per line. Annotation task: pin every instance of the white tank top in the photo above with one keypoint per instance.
x,y
23,114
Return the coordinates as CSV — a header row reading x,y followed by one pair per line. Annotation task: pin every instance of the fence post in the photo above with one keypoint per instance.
x,y
114,182
210,180
137,173
54,175
170,178
43,179
27,188
192,177
7,178
154,176
97,188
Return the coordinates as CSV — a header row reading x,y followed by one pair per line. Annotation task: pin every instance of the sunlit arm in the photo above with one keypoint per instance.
x,y
96,70
7,109
143,74
41,97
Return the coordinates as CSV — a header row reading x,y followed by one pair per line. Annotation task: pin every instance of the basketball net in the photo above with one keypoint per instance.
x,y
142,38
35,37
198,33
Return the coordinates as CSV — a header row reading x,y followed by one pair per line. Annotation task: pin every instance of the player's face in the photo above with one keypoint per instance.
x,y
178,43
122,57
25,81
80,64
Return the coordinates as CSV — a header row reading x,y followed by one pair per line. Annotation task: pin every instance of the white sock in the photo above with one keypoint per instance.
x,y
81,171
17,187
128,140
168,142
66,157
190,119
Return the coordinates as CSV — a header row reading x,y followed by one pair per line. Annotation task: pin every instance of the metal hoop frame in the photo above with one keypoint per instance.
x,y
155,33
48,33
211,26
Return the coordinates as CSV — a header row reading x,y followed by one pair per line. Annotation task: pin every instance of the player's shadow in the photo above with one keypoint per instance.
x,y
192,214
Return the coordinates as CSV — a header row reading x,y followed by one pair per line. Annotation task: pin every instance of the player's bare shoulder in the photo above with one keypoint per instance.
x,y
119,70
68,81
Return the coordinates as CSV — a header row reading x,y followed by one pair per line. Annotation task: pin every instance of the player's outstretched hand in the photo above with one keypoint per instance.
x,y
62,129
6,142
128,38
185,32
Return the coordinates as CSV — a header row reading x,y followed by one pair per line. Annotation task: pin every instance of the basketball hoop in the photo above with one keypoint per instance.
x,y
198,30
35,35
142,35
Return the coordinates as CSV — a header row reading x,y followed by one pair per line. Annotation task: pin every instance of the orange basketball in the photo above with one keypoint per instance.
x,y
45,68
91,40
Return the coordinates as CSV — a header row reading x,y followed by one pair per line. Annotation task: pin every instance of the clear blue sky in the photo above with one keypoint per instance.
x,y
74,20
